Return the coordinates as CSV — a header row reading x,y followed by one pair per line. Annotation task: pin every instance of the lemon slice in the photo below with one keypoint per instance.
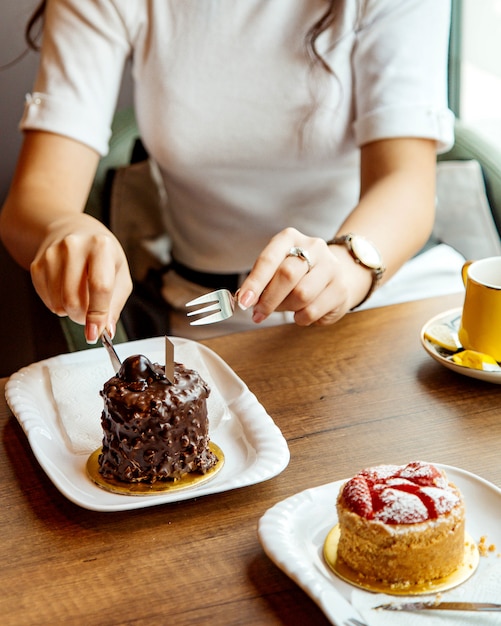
x,y
443,336
476,360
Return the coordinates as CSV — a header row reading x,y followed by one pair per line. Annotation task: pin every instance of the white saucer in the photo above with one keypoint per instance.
x,y
452,319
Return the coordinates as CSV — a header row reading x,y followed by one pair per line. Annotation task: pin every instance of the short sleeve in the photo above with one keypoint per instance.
x,y
400,72
85,47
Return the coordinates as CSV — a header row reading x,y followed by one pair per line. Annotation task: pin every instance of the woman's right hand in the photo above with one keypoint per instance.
x,y
77,265
80,270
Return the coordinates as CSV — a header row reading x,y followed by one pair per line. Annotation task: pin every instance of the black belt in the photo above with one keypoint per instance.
x,y
207,279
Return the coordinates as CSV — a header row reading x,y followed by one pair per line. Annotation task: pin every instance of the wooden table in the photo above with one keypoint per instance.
x,y
355,394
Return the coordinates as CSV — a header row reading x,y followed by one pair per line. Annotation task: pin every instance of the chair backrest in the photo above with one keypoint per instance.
x,y
123,138
470,145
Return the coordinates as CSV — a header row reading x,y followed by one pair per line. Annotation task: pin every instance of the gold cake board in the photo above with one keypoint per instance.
x,y
459,576
187,481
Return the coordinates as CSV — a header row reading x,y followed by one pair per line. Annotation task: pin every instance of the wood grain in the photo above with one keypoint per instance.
x,y
348,396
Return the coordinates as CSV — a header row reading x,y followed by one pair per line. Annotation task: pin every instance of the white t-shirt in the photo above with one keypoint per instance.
x,y
248,136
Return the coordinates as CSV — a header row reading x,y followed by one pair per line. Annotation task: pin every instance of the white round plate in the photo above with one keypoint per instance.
x,y
293,532
452,318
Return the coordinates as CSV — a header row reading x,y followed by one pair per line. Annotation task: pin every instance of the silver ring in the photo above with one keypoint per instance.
x,y
301,254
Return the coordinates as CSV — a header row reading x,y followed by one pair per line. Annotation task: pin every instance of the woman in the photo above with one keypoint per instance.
x,y
280,129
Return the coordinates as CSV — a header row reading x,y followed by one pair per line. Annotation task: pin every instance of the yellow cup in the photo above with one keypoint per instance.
x,y
480,327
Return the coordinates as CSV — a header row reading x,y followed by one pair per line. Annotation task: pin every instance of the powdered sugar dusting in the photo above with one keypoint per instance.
x,y
400,507
400,494
443,499
396,481
423,474
381,472
357,491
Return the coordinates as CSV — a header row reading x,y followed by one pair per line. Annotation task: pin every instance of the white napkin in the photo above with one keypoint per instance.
x,y
436,272
76,387
483,586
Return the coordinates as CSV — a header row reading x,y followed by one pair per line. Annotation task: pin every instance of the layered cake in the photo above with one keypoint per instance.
x,y
154,430
402,525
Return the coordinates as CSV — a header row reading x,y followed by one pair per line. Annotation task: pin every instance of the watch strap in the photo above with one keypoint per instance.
x,y
377,272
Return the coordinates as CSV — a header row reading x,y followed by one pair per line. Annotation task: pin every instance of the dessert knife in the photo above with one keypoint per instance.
x,y
115,361
169,360
441,606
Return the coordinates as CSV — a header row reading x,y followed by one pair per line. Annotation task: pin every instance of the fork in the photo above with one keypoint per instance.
x,y
107,343
222,302
353,622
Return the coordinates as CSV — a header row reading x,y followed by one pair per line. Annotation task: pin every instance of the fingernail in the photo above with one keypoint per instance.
x,y
258,317
111,327
91,334
246,299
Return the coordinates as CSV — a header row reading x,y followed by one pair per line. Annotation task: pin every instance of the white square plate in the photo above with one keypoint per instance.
x,y
254,448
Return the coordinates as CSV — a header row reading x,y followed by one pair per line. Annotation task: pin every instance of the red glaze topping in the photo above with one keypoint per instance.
x,y
400,494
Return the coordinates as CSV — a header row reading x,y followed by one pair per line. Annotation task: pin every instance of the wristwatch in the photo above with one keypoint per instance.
x,y
366,254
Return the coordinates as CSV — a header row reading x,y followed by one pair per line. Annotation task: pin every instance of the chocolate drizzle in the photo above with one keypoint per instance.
x,y
152,429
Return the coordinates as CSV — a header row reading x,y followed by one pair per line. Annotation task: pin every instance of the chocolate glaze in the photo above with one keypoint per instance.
x,y
152,429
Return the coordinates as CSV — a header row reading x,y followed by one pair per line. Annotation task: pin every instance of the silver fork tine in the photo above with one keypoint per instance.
x,y
222,302
209,319
206,309
207,297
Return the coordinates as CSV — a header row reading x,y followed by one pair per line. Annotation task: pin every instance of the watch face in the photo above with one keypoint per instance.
x,y
366,252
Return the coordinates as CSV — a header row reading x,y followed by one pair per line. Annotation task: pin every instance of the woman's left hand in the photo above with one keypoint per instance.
x,y
313,286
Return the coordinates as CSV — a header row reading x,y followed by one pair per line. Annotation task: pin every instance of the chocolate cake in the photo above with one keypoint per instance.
x,y
401,524
154,430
